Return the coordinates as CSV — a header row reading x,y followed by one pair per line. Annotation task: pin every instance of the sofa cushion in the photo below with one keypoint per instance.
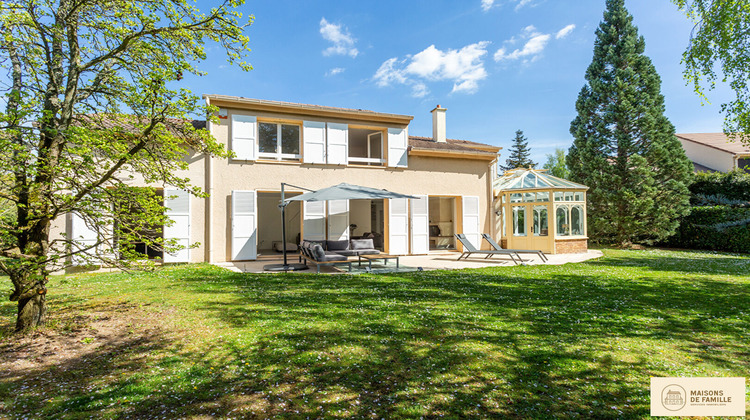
x,y
317,252
348,252
358,244
332,256
337,245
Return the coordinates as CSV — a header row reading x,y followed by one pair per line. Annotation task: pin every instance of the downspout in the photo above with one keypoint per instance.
x,y
491,198
209,254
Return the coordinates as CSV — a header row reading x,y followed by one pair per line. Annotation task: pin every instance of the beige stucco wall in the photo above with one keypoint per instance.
x,y
196,172
708,156
424,176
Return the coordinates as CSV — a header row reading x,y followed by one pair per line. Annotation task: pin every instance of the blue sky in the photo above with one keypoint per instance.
x,y
497,66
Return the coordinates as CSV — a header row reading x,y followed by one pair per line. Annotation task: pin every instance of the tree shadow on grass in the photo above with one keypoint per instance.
x,y
518,343
470,343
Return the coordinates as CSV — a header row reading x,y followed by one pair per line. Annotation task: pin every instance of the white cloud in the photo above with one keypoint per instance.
x,y
562,33
343,42
489,4
535,43
464,67
334,71
522,3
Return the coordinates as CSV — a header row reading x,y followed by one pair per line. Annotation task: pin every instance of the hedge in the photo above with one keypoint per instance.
x,y
733,185
699,229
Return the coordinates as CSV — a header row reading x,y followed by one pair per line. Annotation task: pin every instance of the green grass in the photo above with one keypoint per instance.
x,y
580,340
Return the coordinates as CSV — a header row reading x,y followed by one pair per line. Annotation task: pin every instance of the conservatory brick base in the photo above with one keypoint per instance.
x,y
571,246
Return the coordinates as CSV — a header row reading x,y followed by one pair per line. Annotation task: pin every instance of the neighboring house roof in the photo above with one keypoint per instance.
x,y
718,141
428,146
126,122
307,109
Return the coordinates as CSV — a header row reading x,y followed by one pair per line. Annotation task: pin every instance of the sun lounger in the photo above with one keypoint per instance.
x,y
497,247
470,249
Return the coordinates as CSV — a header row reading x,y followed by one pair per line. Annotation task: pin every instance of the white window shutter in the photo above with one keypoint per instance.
x,y
471,220
314,142
398,226
314,220
337,137
244,226
397,147
338,220
244,137
177,204
83,237
420,225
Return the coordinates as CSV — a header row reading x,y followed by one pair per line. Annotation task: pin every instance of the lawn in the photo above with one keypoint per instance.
x,y
580,340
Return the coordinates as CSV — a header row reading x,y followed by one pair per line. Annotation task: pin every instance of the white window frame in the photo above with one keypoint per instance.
x,y
369,158
278,155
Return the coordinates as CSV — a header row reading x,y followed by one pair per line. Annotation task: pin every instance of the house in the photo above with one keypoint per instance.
x,y
311,147
715,152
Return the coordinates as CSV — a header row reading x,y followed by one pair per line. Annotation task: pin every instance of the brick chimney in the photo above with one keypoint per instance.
x,y
438,124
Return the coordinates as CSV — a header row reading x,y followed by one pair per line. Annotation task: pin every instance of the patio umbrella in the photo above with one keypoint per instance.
x,y
341,191
346,191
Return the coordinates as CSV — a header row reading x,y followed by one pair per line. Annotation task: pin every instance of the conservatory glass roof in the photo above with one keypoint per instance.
x,y
530,179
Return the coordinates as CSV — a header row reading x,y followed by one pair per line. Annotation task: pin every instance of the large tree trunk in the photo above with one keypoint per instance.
x,y
32,311
31,294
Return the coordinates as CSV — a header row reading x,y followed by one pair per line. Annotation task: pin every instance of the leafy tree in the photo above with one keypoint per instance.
x,y
721,36
556,164
93,101
519,153
624,147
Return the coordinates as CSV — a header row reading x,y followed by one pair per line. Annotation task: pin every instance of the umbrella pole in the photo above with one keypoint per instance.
x,y
285,266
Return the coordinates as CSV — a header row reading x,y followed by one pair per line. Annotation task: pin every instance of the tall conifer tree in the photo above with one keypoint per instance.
x,y
625,149
519,156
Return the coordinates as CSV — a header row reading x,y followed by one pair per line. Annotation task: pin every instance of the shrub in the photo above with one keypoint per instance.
x,y
717,228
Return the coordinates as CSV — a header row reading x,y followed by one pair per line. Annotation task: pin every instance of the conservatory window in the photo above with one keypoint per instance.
x,y
502,217
516,198
542,196
541,227
576,220
529,197
563,222
570,220
519,221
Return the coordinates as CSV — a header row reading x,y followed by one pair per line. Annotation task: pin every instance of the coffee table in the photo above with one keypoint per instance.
x,y
375,257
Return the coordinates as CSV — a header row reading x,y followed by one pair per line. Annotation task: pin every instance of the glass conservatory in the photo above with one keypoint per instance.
x,y
536,210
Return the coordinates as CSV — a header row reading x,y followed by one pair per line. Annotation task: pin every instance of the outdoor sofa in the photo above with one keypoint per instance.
x,y
335,252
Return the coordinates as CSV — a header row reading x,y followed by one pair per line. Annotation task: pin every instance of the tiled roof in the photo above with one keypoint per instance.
x,y
450,144
718,141
126,122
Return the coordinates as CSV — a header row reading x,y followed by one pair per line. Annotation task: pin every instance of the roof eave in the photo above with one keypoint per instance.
x,y
309,110
454,154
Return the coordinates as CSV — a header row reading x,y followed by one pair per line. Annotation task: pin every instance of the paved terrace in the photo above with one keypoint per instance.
x,y
432,261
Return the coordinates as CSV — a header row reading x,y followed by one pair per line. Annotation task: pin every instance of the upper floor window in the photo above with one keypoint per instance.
x,y
279,141
366,147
